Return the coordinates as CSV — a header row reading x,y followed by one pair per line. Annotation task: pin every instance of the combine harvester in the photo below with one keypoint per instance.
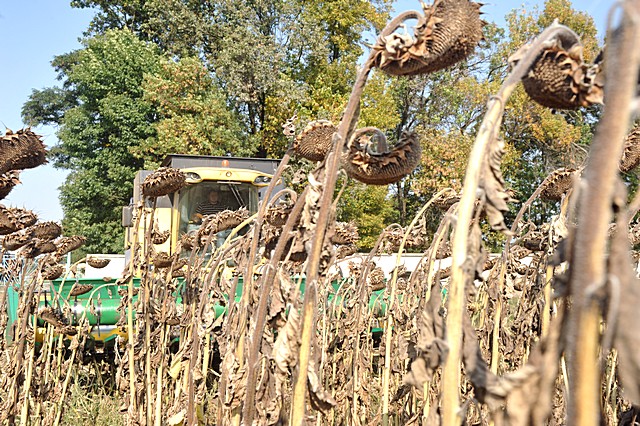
x,y
96,291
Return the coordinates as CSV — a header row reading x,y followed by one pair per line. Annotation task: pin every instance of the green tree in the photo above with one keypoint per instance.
x,y
271,59
178,27
102,115
370,208
193,117
446,108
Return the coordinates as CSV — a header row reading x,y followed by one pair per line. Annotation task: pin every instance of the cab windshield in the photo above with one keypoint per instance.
x,y
197,199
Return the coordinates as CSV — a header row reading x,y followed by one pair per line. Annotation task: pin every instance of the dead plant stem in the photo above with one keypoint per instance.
x,y
456,303
309,310
159,377
130,331
594,214
388,328
24,415
147,287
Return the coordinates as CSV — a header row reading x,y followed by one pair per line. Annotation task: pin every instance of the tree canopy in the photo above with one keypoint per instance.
x,y
447,108
156,77
101,114
193,117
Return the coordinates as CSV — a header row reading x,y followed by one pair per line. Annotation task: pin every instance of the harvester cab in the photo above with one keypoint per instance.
x,y
213,184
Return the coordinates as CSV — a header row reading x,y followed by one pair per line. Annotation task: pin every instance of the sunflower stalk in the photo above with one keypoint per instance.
x,y
340,140
588,269
146,288
456,304
130,329
24,413
388,329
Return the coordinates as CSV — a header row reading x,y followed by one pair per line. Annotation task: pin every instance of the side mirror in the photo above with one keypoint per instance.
x,y
127,216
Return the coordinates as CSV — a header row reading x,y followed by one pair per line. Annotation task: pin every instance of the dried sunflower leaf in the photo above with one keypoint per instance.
x,y
285,349
320,399
626,288
177,418
176,367
430,346
492,184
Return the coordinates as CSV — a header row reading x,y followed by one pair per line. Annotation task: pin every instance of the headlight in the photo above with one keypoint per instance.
x,y
192,176
262,180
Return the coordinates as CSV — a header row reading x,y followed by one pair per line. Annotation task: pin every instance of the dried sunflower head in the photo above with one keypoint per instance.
x,y
162,260
536,240
631,154
448,198
346,251
36,247
188,241
392,239
446,33
227,219
45,230
15,219
179,268
96,262
519,252
270,234
345,233
557,184
376,279
79,289
52,316
69,330
163,181
178,273
52,272
159,237
15,241
7,181
68,244
559,78
381,167
277,214
21,150
315,140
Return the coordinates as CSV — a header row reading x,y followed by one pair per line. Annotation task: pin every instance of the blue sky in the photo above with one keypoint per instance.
x,y
32,32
